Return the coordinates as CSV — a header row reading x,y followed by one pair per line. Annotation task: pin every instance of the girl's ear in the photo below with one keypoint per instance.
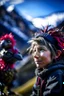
x,y
58,53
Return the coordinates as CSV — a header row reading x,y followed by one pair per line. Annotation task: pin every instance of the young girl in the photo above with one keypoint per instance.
x,y
47,49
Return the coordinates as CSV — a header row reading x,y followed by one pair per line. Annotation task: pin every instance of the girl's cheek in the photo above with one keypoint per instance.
x,y
41,53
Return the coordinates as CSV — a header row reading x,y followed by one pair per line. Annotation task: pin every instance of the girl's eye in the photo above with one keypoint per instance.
x,y
41,49
33,51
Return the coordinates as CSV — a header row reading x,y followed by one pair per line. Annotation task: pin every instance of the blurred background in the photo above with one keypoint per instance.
x,y
23,18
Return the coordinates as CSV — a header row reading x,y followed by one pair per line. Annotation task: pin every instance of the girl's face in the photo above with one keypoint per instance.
x,y
41,55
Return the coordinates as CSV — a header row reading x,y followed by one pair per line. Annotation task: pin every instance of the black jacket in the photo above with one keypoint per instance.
x,y
50,81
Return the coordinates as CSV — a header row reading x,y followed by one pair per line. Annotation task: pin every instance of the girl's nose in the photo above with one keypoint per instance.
x,y
36,57
36,54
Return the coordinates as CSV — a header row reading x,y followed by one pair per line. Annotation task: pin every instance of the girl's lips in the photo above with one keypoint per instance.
x,y
38,62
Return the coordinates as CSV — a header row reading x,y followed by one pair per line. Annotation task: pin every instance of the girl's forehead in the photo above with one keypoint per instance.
x,y
35,44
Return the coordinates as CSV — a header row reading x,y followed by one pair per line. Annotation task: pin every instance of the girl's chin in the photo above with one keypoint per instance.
x,y
39,66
